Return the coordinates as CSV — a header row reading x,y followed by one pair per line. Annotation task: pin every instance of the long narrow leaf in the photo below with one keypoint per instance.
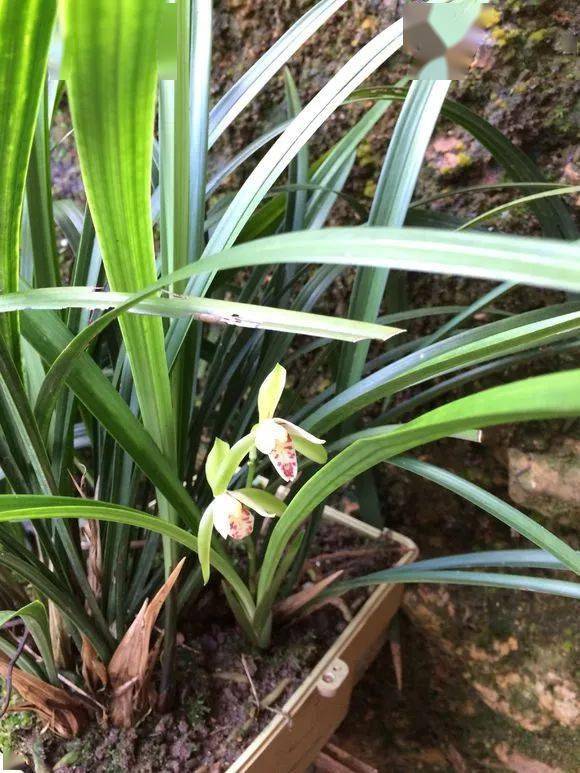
x,y
518,203
15,509
509,515
35,618
362,64
25,29
395,188
479,579
553,215
251,83
206,309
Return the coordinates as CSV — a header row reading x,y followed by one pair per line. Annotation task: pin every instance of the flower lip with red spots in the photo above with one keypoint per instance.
x,y
231,518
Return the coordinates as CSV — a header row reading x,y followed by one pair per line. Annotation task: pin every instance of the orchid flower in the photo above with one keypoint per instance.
x,y
230,517
280,439
231,513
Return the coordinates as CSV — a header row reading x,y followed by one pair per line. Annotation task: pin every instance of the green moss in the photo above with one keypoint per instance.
x,y
370,189
11,725
196,710
502,36
538,36
461,161
489,17
365,155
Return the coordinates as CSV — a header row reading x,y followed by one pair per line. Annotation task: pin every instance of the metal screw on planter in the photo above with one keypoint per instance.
x,y
332,678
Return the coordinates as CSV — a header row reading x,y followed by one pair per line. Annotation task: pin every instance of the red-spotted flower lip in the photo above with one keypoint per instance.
x,y
231,518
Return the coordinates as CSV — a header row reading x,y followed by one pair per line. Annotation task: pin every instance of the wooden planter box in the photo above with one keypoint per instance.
x,y
319,705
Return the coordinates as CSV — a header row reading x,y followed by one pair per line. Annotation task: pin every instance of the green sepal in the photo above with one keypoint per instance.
x,y
264,503
271,392
204,535
214,467
314,451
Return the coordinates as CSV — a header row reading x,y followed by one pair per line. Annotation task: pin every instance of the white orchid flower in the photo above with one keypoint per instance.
x,y
231,511
280,439
230,517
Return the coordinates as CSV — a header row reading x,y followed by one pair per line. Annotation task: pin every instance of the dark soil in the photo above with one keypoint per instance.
x,y
220,676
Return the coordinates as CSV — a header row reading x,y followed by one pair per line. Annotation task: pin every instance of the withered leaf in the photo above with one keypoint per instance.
x,y
64,714
292,604
132,663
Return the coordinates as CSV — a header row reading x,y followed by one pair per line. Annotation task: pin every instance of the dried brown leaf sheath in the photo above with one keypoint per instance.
x,y
132,663
291,605
64,714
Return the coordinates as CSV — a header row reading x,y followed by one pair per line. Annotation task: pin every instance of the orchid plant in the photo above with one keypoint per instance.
x,y
115,401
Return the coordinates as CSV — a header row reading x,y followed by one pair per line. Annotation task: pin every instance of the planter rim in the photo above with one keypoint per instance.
x,y
305,688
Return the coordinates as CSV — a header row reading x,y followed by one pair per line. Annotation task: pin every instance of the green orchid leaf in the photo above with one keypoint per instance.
x,y
25,29
19,508
551,396
35,618
479,579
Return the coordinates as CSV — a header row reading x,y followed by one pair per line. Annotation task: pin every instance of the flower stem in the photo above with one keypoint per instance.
x,y
252,563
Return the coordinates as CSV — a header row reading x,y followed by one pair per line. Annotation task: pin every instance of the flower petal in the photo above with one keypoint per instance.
x,y
215,463
283,457
271,392
295,430
267,434
221,508
204,541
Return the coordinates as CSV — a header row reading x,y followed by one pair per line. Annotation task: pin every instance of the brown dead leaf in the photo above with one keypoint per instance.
x,y
60,638
132,663
65,715
289,606
397,657
91,533
519,763
94,670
